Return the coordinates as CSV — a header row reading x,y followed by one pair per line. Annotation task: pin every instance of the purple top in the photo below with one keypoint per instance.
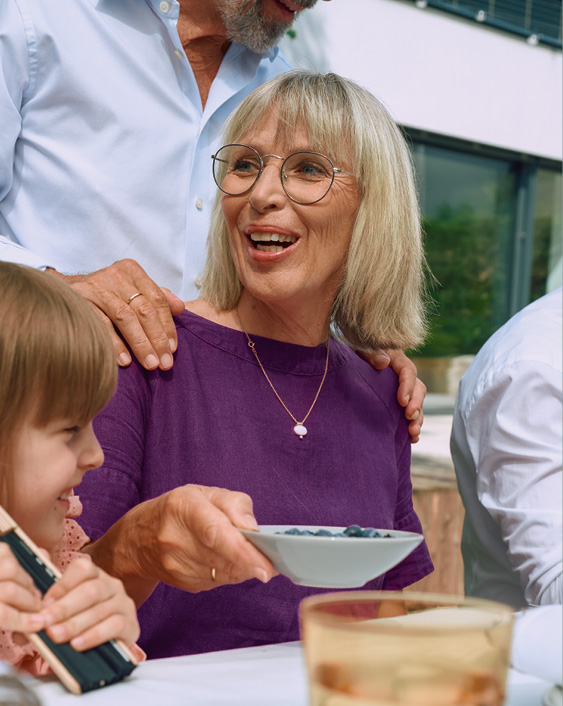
x,y
213,420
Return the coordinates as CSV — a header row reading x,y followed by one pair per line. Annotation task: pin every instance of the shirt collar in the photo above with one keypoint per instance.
x,y
237,49
174,12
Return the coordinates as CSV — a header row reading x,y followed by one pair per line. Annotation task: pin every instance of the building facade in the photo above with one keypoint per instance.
x,y
476,85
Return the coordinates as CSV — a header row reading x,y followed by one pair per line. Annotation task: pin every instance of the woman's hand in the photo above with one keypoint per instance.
x,y
187,538
411,392
145,322
20,600
87,607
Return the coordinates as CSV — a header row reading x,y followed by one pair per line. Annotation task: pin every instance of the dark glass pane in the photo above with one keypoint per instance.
x,y
546,17
468,206
513,12
474,5
546,265
537,16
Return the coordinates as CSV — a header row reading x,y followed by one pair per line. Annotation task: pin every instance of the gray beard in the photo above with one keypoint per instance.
x,y
246,25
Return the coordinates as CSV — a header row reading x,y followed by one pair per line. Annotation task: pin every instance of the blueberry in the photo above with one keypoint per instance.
x,y
353,531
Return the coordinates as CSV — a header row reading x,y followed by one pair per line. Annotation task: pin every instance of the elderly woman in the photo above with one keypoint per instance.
x,y
316,229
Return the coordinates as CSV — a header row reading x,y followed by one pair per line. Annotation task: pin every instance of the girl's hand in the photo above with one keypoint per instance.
x,y
20,600
87,607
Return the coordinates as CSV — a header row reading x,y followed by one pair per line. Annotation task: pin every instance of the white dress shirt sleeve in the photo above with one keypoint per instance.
x,y
15,79
514,432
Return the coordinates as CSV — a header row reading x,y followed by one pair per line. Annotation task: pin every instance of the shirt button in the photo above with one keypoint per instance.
x,y
179,54
164,6
199,204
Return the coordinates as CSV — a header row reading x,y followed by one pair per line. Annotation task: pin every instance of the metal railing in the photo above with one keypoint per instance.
x,y
538,21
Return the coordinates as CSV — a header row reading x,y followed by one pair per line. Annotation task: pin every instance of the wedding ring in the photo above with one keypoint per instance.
x,y
213,574
137,294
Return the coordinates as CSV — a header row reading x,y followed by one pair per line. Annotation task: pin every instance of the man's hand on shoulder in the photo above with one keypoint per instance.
x,y
126,299
411,391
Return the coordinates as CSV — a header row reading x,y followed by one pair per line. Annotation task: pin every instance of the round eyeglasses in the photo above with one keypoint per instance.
x,y
306,177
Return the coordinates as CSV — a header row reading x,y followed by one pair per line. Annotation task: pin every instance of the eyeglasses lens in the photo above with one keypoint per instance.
x,y
235,168
306,176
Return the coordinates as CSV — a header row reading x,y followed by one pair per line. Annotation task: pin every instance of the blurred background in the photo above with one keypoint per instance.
x,y
477,87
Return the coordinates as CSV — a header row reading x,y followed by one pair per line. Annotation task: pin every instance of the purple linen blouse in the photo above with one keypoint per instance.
x,y
213,420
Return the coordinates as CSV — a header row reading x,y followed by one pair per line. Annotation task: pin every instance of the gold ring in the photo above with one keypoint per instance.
x,y
213,574
133,296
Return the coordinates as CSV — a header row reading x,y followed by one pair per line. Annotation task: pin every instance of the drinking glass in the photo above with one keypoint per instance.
x,y
378,648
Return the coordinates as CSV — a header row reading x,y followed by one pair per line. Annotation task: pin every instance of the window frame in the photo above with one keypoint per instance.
x,y
525,167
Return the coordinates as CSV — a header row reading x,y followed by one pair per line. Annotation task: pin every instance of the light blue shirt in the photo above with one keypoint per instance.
x,y
105,150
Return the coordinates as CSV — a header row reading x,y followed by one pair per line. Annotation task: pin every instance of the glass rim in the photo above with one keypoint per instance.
x,y
310,609
334,171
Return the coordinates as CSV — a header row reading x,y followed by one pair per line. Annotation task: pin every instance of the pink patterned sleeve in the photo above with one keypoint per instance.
x,y
14,648
74,538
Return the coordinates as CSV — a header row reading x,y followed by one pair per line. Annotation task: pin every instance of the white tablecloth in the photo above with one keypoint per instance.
x,y
255,676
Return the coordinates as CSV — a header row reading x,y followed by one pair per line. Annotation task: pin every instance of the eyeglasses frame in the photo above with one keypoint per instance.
x,y
335,171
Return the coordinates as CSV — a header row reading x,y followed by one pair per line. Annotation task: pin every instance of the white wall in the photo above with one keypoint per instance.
x,y
438,72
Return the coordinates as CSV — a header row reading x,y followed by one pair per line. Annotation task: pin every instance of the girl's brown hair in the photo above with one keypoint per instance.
x,y
56,358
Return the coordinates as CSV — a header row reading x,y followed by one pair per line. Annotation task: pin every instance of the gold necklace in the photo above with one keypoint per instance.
x,y
300,429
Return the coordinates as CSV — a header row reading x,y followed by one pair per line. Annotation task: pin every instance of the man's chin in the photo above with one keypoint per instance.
x,y
247,25
263,40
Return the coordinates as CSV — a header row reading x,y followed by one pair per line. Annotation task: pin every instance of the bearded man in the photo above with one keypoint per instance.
x,y
110,112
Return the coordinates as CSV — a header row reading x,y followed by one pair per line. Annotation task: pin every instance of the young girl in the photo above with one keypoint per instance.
x,y
57,371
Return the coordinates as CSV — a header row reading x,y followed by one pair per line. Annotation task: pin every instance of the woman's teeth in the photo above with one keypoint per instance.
x,y
267,242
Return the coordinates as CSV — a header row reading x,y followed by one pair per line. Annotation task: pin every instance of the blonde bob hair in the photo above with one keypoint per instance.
x,y
380,300
56,359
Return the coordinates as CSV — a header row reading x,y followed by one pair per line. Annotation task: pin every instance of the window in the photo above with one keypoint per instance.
x,y
539,20
546,261
468,207
493,223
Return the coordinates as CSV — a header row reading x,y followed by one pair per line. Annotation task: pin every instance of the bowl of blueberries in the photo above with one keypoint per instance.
x,y
332,557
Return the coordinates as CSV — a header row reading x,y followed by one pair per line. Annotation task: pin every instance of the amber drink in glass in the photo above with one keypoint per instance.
x,y
376,648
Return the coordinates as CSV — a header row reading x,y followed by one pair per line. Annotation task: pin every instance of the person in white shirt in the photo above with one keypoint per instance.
x,y
110,113
506,446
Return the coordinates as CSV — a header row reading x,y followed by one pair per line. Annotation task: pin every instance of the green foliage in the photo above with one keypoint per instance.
x,y
467,254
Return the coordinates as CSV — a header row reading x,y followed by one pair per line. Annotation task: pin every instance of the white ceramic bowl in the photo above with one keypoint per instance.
x,y
332,562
